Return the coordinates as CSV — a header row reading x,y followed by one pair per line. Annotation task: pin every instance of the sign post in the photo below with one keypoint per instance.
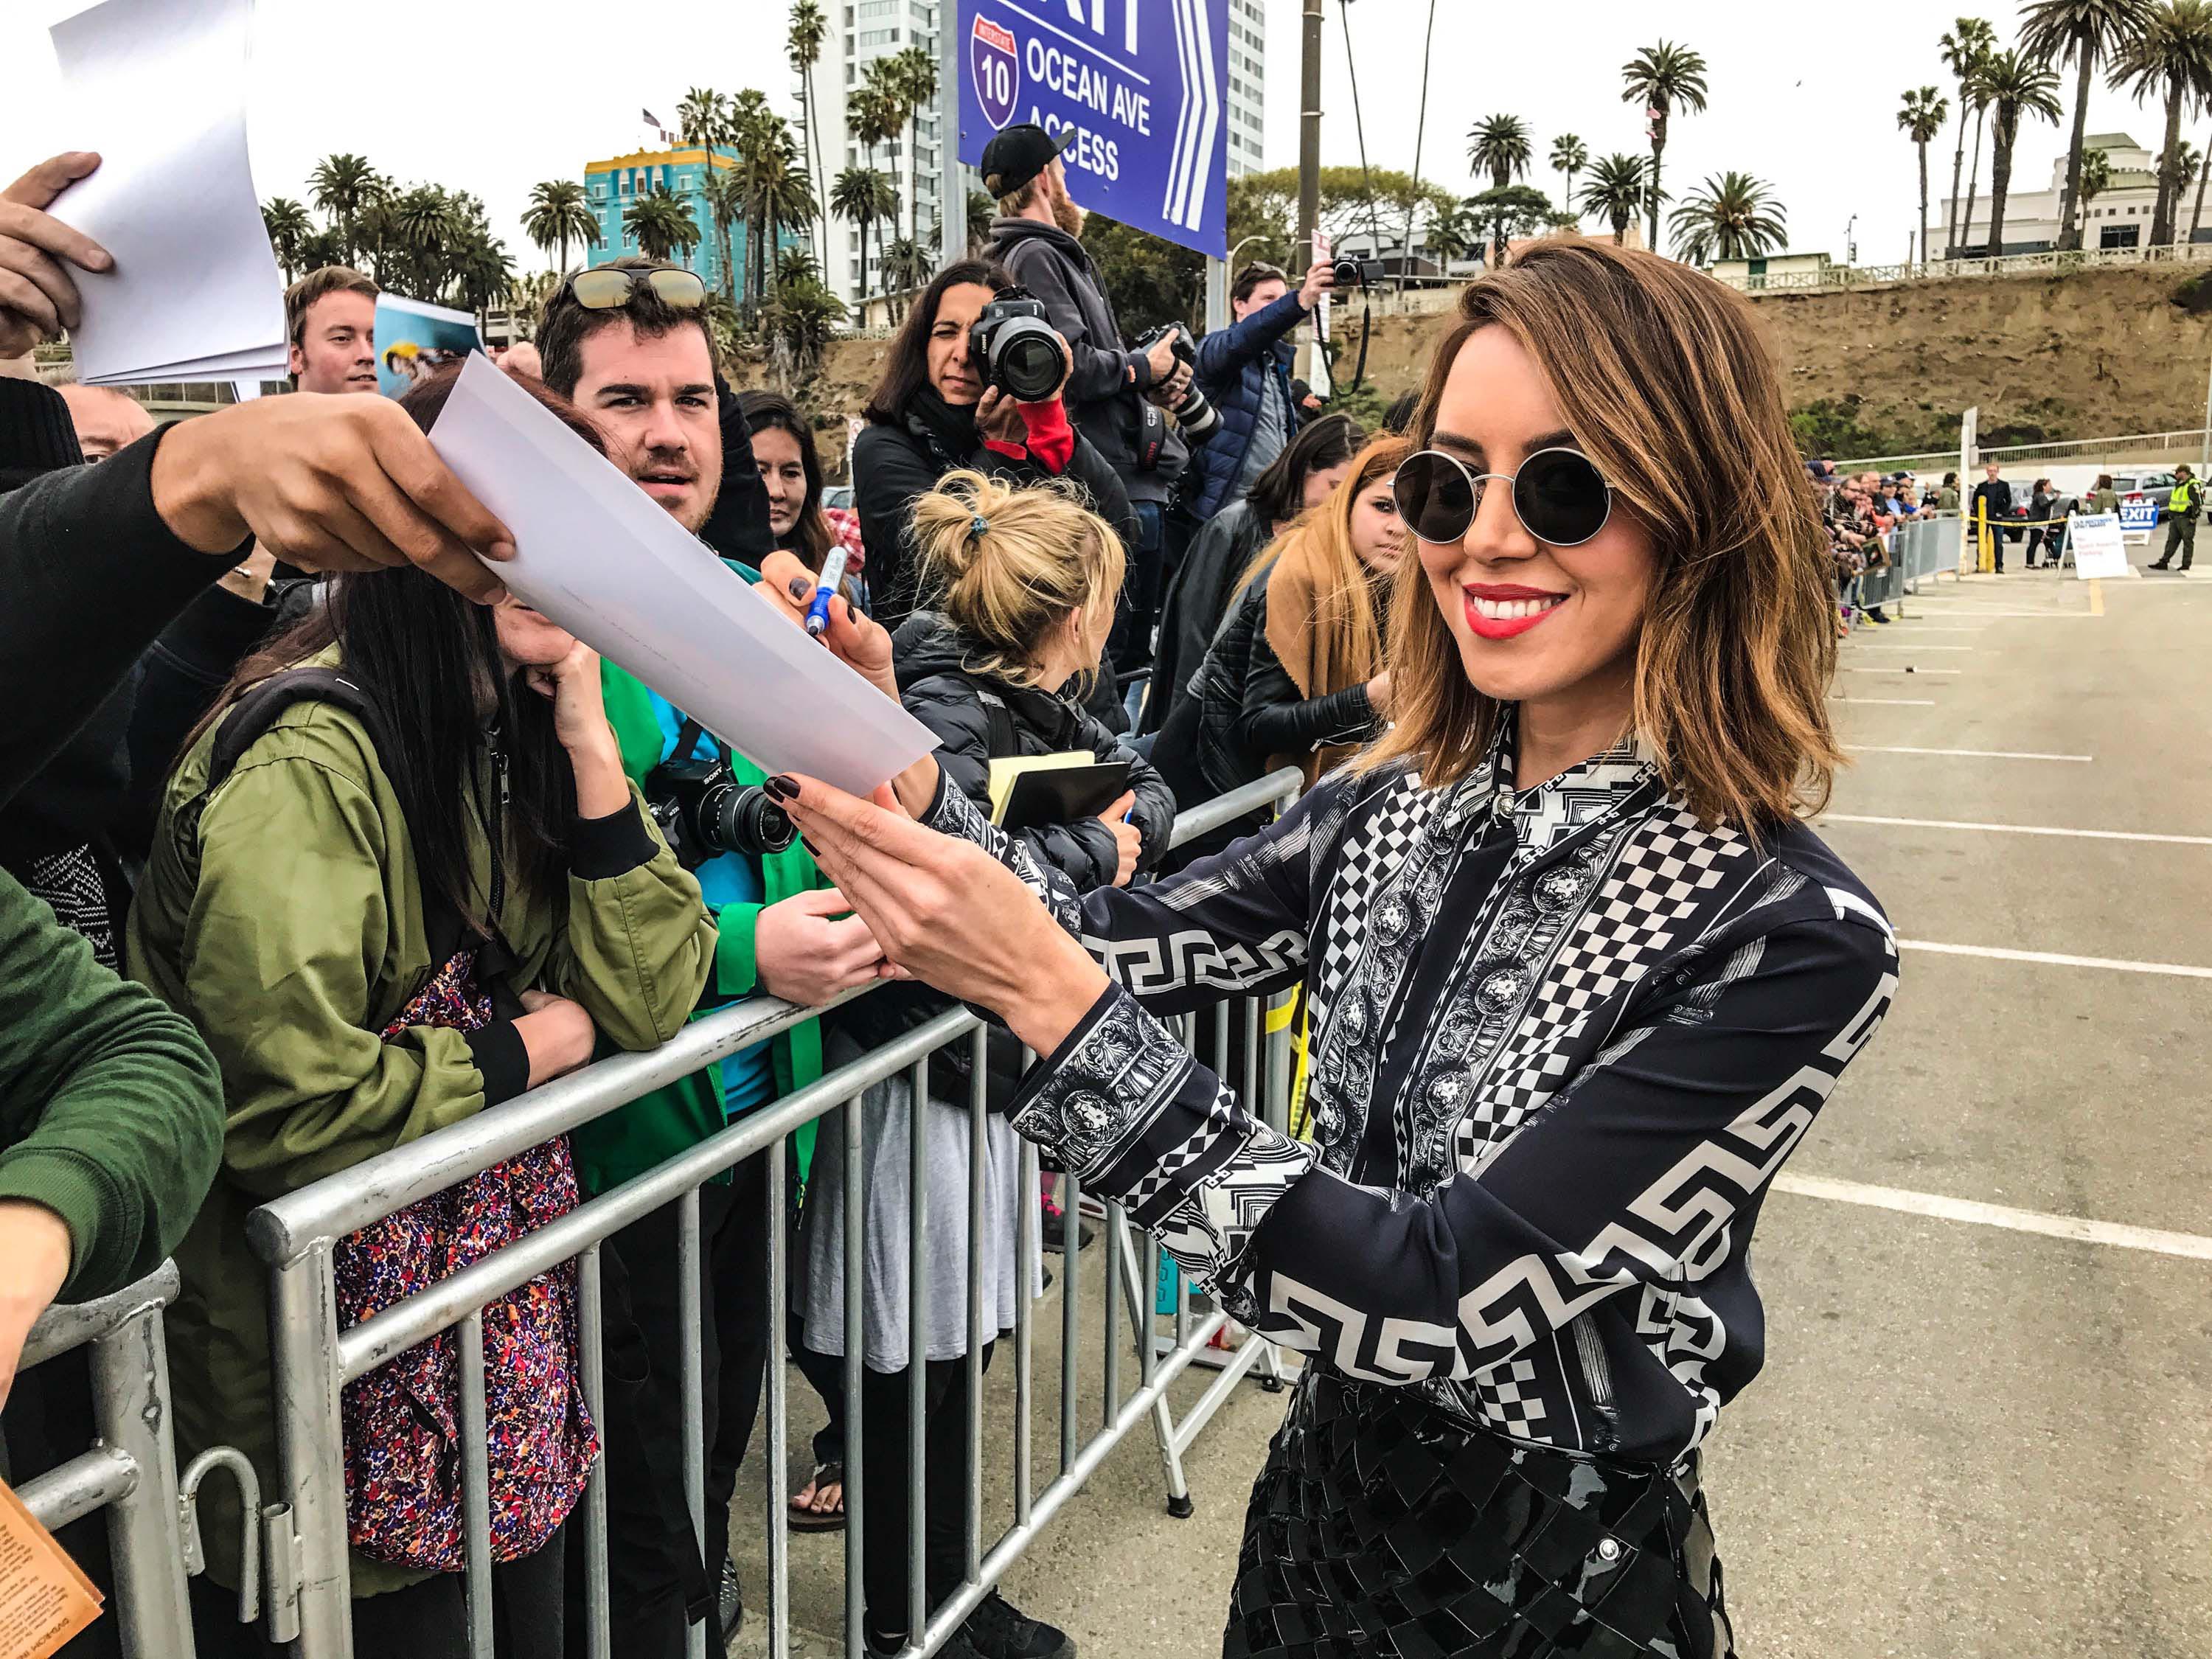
x,y
1143,83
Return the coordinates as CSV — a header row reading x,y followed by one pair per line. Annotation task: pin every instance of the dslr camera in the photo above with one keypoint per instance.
x,y
704,811
1199,419
1357,273
1019,350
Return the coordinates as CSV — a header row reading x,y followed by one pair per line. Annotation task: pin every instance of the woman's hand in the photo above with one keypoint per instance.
x,y
580,721
35,1252
1128,840
557,1035
948,913
1378,694
862,644
999,419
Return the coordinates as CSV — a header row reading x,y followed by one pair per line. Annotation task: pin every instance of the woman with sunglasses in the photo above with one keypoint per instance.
x,y
1579,977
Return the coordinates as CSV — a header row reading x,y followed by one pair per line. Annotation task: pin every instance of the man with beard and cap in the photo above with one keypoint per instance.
x,y
628,343
1113,395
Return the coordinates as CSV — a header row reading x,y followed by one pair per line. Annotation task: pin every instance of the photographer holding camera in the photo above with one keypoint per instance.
x,y
1244,370
1114,396
973,381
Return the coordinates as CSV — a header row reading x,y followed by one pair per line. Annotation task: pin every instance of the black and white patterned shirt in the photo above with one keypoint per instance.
x,y
1562,1039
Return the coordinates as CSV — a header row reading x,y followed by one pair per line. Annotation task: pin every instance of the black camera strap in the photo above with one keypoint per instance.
x,y
687,741
1152,434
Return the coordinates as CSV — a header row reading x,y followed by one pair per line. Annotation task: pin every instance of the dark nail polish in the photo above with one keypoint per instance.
x,y
812,851
781,788
799,588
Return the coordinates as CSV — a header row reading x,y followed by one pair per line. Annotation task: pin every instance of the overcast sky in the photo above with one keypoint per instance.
x,y
492,98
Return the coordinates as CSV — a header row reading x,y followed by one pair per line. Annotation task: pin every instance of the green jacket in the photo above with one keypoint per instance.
x,y
111,1113
288,928
657,1127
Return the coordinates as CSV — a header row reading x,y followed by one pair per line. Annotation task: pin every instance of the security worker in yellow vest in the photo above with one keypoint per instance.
x,y
2182,508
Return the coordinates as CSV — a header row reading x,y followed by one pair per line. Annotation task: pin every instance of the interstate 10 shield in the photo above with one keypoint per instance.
x,y
996,67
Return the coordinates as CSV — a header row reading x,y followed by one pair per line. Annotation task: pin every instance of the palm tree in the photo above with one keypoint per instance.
x,y
558,215
1454,235
1616,192
2203,172
906,265
345,186
725,192
289,227
862,196
1664,79
2096,177
1969,40
2016,85
1569,155
1977,95
661,224
1729,216
2054,31
1499,145
778,199
2172,56
805,34
1922,118
914,72
982,211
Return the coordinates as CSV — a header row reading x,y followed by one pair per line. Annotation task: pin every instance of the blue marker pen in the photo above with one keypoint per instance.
x,y
833,572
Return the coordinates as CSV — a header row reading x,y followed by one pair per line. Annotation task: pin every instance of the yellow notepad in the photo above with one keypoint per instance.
x,y
1004,772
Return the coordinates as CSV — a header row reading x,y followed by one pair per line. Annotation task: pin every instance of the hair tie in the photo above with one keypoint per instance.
x,y
978,527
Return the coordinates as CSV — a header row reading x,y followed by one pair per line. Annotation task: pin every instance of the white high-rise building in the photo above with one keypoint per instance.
x,y
862,31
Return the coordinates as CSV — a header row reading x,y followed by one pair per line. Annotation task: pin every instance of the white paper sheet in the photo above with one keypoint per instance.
x,y
159,87
603,559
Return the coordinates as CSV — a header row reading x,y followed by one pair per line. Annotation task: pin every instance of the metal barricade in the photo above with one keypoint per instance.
x,y
131,1470
295,1235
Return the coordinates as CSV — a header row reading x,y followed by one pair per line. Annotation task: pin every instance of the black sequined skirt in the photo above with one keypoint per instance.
x,y
1384,1528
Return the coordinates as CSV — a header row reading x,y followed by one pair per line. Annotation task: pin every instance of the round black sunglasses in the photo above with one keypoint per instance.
x,y
1558,496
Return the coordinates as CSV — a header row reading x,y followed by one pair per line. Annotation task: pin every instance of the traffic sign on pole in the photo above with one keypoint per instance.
x,y
1143,83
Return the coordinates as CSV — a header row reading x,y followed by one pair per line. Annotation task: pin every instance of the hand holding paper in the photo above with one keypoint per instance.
x,y
40,298
598,554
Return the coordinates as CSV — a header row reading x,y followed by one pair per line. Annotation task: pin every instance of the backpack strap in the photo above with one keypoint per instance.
x,y
1005,743
256,714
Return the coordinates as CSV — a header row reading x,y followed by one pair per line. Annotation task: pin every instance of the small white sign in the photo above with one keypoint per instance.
x,y
2137,520
2098,549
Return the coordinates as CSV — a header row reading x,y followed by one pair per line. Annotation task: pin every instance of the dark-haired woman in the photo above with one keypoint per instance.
x,y
791,473
1580,979
1298,480
390,896
933,413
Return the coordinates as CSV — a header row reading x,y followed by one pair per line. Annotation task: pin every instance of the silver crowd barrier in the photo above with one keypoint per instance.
x,y
1919,551
131,1470
307,1565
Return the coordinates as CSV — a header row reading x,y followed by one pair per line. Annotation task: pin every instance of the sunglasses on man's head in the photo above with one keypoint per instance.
x,y
609,288
1558,496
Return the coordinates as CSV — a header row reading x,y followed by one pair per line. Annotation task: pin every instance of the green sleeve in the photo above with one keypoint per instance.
x,y
290,922
111,1110
639,944
736,968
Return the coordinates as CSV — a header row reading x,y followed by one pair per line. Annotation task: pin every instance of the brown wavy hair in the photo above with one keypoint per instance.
x,y
1663,380
1320,545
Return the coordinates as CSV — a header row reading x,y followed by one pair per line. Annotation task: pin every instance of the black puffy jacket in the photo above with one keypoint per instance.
x,y
1197,604
1250,709
930,656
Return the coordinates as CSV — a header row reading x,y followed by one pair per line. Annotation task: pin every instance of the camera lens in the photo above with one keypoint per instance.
x,y
1197,417
1027,364
756,825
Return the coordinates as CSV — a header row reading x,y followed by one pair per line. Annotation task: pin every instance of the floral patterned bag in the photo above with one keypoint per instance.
x,y
402,1452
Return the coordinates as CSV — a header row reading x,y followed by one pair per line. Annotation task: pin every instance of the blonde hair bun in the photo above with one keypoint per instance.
x,y
1007,563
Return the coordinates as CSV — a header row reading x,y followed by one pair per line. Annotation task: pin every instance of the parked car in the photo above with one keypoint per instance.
x,y
2145,486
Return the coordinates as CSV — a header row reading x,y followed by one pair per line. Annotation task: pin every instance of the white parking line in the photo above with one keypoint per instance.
x,y
1849,669
1971,754
2016,829
1972,610
1891,703
2190,1246
2053,959
1913,647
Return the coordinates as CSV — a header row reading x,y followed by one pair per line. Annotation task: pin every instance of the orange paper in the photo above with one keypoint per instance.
x,y
44,1599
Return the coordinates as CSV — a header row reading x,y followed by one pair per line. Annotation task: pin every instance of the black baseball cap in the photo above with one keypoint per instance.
x,y
1018,154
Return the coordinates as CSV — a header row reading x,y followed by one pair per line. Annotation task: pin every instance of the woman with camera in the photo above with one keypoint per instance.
x,y
1580,979
398,878
1025,580
938,409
